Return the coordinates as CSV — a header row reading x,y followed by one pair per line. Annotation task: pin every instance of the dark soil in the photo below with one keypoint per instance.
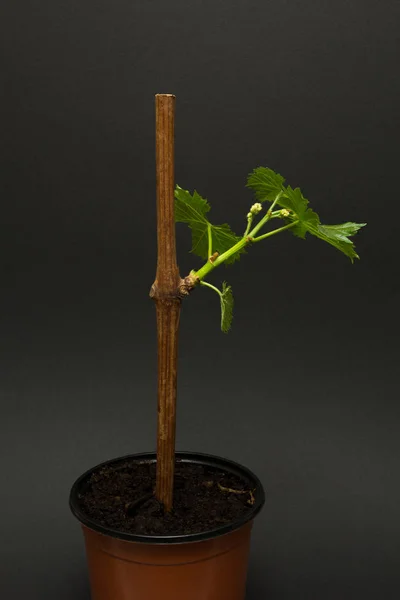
x,y
121,497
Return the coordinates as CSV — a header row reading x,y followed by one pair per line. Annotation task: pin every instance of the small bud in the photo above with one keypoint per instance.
x,y
249,215
284,212
256,208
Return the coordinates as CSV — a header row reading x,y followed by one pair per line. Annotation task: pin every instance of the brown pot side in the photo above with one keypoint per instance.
x,y
214,569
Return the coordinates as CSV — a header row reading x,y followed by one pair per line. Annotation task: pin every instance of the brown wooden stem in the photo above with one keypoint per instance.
x,y
167,293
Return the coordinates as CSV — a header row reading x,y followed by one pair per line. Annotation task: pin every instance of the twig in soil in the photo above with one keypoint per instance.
x,y
251,500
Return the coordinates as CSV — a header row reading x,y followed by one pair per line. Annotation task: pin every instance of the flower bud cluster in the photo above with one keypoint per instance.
x,y
255,209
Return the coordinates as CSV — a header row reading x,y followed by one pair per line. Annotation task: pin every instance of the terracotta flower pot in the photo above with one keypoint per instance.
x,y
201,566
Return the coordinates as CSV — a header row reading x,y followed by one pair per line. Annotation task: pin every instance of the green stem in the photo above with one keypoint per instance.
x,y
274,231
209,240
275,201
210,266
204,271
212,287
249,222
246,239
270,215
266,217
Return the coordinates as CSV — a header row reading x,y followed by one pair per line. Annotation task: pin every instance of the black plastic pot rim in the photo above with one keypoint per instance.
x,y
190,457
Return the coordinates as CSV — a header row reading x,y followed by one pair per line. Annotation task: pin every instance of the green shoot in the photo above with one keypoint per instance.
x,y
218,244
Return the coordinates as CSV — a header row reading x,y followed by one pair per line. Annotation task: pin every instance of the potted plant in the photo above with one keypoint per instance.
x,y
177,525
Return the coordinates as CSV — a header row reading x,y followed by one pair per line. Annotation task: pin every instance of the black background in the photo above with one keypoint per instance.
x,y
304,390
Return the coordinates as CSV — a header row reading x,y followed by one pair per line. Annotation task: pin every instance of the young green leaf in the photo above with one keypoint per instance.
x,y
265,183
191,209
226,307
226,300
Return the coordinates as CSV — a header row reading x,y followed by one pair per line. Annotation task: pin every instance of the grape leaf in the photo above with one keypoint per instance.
x,y
226,307
191,209
265,183
309,222
337,236
294,201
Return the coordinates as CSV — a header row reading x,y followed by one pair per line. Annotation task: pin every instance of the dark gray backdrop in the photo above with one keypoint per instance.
x,y
304,390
